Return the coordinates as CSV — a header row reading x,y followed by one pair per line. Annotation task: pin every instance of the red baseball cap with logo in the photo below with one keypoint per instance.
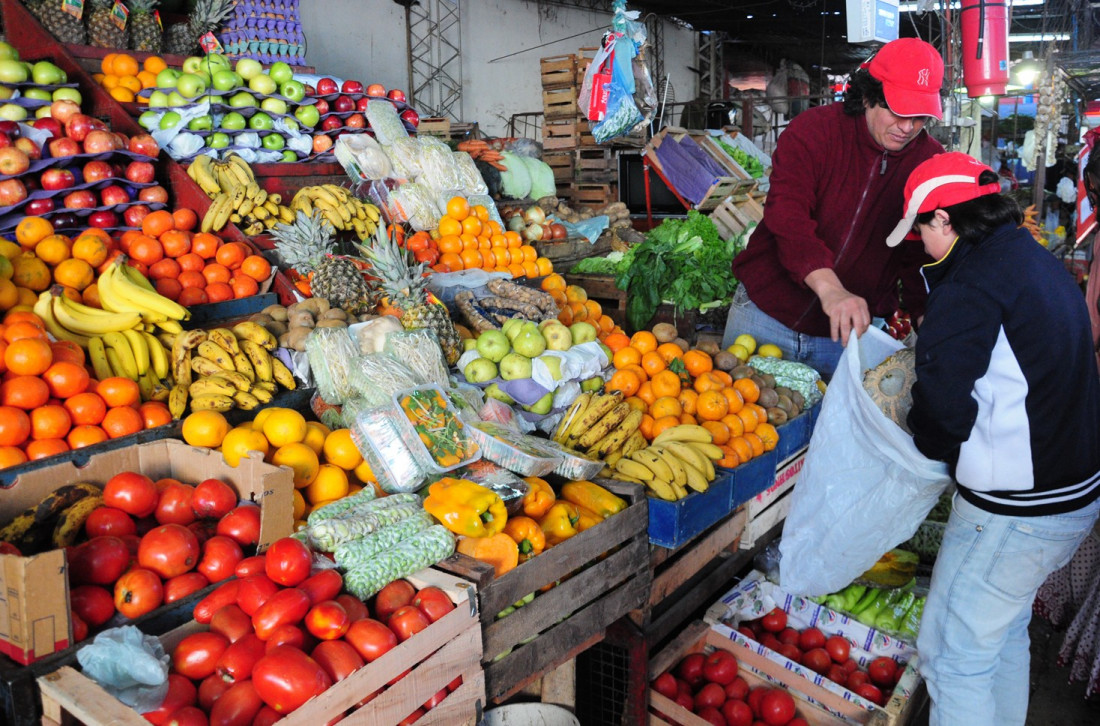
x,y
940,182
911,72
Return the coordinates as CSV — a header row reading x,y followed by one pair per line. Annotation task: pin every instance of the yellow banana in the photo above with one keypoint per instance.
x,y
225,338
158,356
243,365
691,458
140,348
575,409
43,308
655,463
97,353
597,409
205,366
684,432
708,471
172,327
132,274
245,400
268,386
260,361
708,449
210,386
282,375
605,425
117,292
261,394
634,442
212,351
84,324
249,330
634,469
145,386
237,379
679,476
115,364
212,402
177,400
121,346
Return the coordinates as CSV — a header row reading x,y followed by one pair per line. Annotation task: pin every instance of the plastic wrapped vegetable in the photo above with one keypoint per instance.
x,y
375,378
470,178
332,354
383,447
385,122
420,351
466,508
423,549
910,624
340,506
327,535
890,619
792,374
350,555
413,203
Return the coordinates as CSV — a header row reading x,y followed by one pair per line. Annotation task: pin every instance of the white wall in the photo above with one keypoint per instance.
x,y
365,39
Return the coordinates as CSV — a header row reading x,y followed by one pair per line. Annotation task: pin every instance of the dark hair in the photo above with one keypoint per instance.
x,y
973,221
862,86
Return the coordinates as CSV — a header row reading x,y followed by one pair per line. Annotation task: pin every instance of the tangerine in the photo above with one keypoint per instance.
x,y
661,424
666,383
81,436
205,428
688,399
644,341
711,406
11,456
626,356
86,409
697,363
66,379
28,356
15,426
176,242
653,363
244,286
666,406
66,350
169,288
25,392
75,274
205,245
50,422
32,230
670,351
118,391
719,432
256,267
185,219
748,419
155,413
157,223
215,292
42,448
231,254
748,389
616,342
626,381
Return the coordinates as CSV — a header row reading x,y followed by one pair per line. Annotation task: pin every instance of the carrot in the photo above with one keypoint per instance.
x,y
497,165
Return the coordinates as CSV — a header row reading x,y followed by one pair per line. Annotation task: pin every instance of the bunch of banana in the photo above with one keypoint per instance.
x,y
134,354
55,521
225,368
680,460
122,289
601,425
236,195
343,210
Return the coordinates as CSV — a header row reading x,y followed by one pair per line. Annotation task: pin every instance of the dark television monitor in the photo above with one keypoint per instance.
x,y
632,187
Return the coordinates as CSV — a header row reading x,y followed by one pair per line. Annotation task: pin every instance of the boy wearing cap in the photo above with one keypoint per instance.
x,y
817,268
1007,393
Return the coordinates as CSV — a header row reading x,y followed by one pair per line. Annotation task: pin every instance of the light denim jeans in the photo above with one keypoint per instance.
x,y
822,354
973,642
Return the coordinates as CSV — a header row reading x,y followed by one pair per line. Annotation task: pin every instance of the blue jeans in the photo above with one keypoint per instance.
x,y
822,354
973,642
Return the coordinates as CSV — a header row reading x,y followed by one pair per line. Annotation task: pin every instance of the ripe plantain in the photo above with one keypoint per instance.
x,y
71,521
597,409
211,351
35,524
605,425
283,375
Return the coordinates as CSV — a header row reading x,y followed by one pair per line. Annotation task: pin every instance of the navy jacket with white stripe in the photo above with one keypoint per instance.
x,y
1007,389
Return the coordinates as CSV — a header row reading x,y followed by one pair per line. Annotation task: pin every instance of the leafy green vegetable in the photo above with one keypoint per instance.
x,y
609,265
747,161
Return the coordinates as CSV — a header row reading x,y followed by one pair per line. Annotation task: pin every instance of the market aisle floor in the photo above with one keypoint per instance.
x,y
1054,701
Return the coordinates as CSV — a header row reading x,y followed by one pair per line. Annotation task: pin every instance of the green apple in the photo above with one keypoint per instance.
x,y
308,115
493,391
12,71
514,366
168,78
175,98
541,406
201,123
149,120
274,105
158,99
225,80
248,67
263,84
261,122
215,62
291,125
494,345
234,121
46,73
12,112
43,112
8,52
606,351
67,94
242,99
274,142
281,72
553,364
170,120
38,94
595,383
582,332
191,64
289,156
480,370
190,85
217,140
469,344
529,342
293,90
6,92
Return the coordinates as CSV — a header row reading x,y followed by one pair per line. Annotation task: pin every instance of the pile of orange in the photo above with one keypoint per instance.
x,y
575,307
49,402
124,76
192,267
43,257
468,239
671,386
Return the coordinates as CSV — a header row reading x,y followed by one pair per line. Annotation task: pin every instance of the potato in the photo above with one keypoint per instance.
x,y
333,314
284,340
262,319
664,332
275,327
330,323
314,306
276,312
296,338
301,319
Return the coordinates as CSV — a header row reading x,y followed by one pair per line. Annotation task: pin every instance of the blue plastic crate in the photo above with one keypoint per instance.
x,y
202,316
793,435
753,477
671,524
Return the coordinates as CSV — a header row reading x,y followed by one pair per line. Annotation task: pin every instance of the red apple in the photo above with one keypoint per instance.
x,y
144,144
351,87
65,220
50,124
65,146
396,94
134,214
12,192
140,172
321,144
343,104
310,90
80,125
154,194
325,86
9,127
361,104
64,110
121,140
53,179
356,121
80,199
103,219
30,181
13,160
113,195
38,207
97,171
321,106
331,123
376,89
28,147
410,117
5,140
98,142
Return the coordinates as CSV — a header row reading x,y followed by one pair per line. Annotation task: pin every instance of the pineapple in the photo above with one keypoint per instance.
x,y
144,30
61,25
183,38
405,288
102,31
305,246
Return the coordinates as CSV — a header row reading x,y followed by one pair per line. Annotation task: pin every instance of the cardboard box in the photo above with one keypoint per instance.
x,y
435,126
34,591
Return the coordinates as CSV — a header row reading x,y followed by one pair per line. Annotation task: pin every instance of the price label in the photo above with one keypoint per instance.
x,y
211,44
73,7
119,15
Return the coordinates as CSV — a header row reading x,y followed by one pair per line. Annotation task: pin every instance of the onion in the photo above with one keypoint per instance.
x,y
533,233
516,224
534,215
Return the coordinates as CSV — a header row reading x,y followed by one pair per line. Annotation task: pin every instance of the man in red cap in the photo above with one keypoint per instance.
x,y
817,267
1008,395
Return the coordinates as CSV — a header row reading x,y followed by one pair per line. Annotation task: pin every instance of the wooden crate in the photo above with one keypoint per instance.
x,y
562,164
672,568
720,187
602,574
568,252
559,103
601,288
559,71
592,194
596,164
448,648
561,135
734,215
434,126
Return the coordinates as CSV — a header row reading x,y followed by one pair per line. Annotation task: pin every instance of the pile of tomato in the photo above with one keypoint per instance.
x,y
709,687
279,635
830,656
152,543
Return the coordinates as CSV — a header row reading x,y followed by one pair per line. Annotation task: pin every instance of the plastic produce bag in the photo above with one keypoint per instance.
x,y
419,349
470,180
385,122
362,157
381,443
130,665
376,377
332,355
413,203
864,489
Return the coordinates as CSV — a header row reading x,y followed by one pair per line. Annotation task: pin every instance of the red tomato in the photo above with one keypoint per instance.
x,y
80,628
711,694
137,592
777,707
756,695
188,716
213,498
774,621
131,492
99,561
665,684
686,700
454,685
811,638
286,678
232,622
237,661
435,700
183,585
219,598
181,692
393,596
220,556
748,632
267,717
237,707
407,622
288,561
790,652
204,529
817,660
250,566
737,713
211,689
255,590
691,669
872,693
169,550
286,607
720,667
370,638
433,602
174,504
850,665
7,548
857,679
196,656
132,542
109,521
798,721
242,524
290,635
92,603
838,647
738,689
770,641
883,671
356,608
711,715
338,658
328,620
788,636
325,585
412,717
837,674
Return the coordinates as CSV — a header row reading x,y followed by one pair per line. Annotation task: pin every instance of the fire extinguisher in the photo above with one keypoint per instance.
x,y
985,47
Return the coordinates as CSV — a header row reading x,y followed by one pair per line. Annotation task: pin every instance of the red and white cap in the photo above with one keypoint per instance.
x,y
911,72
940,182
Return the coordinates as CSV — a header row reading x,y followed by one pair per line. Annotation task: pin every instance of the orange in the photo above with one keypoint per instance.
x,y
231,254
458,208
205,428
15,426
711,406
148,79
122,95
565,316
760,411
23,316
42,448
530,269
30,272
28,357
545,266
284,426
185,219
27,297
733,398
580,312
665,406
90,248
449,227
480,211
687,418
768,435
606,324
669,351
653,363
488,259
107,64
81,436
157,223
66,379
748,389
646,395
638,371
239,441
25,392
118,391
719,432
517,270
122,421
340,450
32,230
316,432
364,473
646,426
125,65
21,329
450,243
530,255
205,245
66,350
9,294
644,341
559,299
637,403
244,286
452,260
748,419
707,382
742,447
577,294
626,381
553,282
616,342
514,240
155,413
175,242
256,267
86,409
154,64
626,356
215,292
755,442
54,249
725,378
73,273
471,259
665,382
697,363
301,459
688,399
471,225
661,424
734,423
331,482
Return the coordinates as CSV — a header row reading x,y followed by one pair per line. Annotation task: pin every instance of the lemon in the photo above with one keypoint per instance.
x,y
747,342
769,350
239,441
285,426
330,483
340,450
739,352
364,473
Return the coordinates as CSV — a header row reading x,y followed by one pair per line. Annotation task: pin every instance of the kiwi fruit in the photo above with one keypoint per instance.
x,y
755,377
742,371
665,332
777,416
709,347
725,361
684,345
769,379
768,398
783,391
784,402
798,400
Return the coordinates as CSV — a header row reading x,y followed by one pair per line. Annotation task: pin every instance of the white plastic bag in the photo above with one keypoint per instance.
x,y
129,664
864,489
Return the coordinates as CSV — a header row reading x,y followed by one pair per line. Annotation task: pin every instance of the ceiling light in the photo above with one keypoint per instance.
x,y
1036,37
1027,69
912,7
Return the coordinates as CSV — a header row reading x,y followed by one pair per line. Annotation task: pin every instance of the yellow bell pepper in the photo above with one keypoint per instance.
x,y
540,497
528,536
466,508
588,518
593,496
560,522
